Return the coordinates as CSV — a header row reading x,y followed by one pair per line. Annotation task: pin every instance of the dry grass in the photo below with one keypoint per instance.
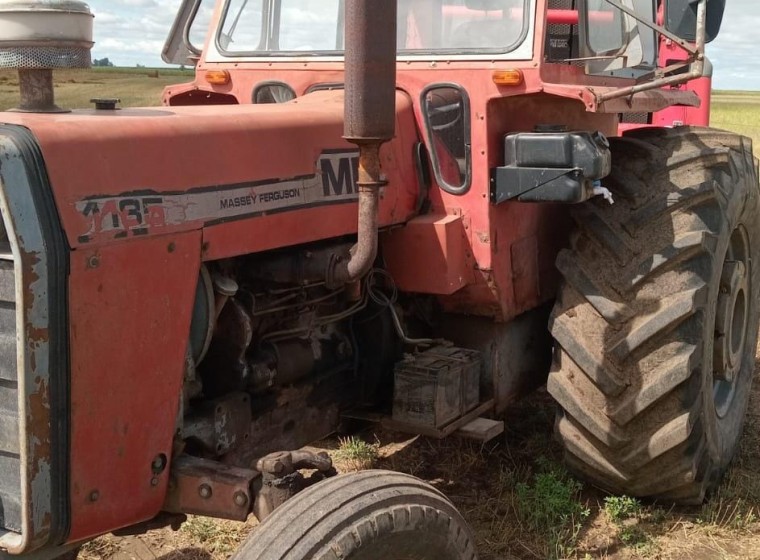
x,y
199,538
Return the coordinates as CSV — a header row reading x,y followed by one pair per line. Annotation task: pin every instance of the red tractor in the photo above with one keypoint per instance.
x,y
365,209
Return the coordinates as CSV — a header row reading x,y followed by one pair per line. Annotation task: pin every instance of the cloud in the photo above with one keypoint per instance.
x,y
733,52
133,31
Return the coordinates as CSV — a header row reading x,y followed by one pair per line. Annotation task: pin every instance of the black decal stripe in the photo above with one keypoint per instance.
x,y
220,188
277,211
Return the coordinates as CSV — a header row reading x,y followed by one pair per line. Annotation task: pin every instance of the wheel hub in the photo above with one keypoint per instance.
x,y
731,321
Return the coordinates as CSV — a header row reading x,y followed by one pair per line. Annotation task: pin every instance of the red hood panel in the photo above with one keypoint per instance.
x,y
133,172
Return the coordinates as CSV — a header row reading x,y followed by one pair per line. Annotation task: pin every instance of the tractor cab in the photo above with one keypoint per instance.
x,y
601,65
567,41
366,210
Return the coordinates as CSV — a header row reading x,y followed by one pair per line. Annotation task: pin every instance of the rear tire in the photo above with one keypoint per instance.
x,y
657,321
370,515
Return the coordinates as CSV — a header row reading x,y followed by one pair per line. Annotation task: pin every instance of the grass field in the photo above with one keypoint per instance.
x,y
136,87
739,112
514,492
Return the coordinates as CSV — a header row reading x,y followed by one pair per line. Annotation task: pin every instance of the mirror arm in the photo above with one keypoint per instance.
x,y
693,74
701,35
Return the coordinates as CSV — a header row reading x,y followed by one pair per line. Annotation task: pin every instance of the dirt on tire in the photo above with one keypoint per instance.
x,y
637,316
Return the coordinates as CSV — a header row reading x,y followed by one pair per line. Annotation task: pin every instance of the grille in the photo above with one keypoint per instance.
x,y
45,57
10,459
34,374
561,39
636,118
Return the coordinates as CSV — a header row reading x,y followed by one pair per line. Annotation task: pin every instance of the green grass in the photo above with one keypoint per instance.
x,y
738,112
620,508
355,454
550,505
140,70
216,536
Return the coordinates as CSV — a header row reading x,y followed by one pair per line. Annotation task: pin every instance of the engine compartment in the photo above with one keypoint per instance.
x,y
276,352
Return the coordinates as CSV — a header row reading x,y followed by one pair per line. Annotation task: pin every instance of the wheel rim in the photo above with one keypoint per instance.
x,y
731,321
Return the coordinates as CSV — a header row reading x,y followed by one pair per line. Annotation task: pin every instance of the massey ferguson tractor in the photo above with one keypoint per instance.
x,y
409,212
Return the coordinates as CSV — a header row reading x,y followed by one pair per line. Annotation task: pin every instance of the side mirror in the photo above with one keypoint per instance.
x,y
681,18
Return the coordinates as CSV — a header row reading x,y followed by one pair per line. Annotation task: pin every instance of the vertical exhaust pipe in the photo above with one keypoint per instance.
x,y
370,118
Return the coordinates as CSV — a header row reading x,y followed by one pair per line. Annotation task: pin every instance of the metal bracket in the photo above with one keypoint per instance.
x,y
210,488
523,184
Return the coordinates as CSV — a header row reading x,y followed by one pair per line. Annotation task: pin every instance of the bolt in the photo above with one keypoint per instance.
x,y
93,262
94,496
204,490
172,247
154,481
159,464
241,500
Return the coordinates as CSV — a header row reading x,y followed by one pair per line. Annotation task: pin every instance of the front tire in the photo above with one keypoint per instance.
x,y
657,321
370,515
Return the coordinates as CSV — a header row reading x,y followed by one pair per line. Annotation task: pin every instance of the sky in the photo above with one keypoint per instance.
x,y
131,32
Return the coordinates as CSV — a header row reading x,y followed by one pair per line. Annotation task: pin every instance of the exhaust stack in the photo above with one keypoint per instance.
x,y
370,118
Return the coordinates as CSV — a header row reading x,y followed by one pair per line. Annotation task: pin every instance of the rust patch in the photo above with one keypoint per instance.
x,y
38,425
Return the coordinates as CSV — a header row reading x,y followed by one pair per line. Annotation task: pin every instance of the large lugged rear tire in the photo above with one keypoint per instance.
x,y
657,321
371,515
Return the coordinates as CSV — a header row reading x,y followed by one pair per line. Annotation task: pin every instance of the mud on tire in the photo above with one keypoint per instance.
x,y
371,515
656,323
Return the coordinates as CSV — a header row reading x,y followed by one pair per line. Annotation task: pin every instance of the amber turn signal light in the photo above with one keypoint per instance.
x,y
218,77
508,77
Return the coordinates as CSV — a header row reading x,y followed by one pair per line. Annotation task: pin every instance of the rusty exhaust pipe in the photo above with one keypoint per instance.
x,y
370,118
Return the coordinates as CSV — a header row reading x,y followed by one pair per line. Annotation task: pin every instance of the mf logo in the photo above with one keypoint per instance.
x,y
340,171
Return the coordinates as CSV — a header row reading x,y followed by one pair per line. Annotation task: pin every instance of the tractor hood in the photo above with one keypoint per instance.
x,y
135,172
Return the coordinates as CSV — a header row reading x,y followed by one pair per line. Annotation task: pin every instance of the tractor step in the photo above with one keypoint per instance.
x,y
481,429
441,432
453,428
